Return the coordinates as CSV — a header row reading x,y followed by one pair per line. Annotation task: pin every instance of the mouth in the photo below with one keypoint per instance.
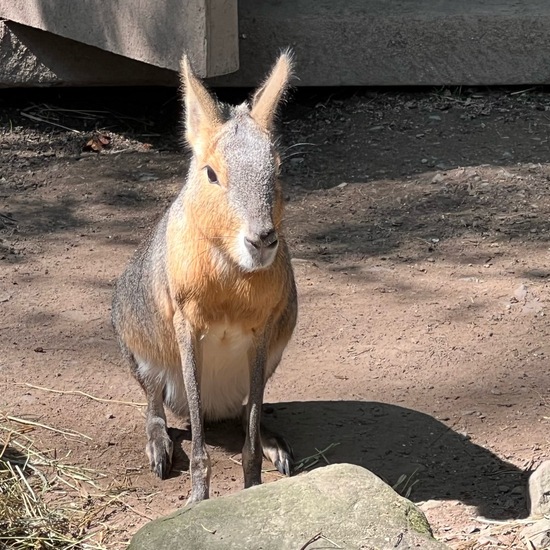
x,y
258,252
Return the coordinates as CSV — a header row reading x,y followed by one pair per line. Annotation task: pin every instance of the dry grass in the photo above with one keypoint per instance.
x,y
46,503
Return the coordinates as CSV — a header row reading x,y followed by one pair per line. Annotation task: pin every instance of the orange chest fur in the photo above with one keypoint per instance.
x,y
208,293
248,303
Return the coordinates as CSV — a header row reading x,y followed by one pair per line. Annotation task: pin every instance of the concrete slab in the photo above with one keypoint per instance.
x,y
156,33
32,58
357,42
397,42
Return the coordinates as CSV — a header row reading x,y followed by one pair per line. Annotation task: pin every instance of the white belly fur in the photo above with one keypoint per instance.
x,y
224,375
225,372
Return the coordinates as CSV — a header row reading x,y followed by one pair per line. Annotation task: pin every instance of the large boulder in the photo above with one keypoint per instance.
x,y
340,506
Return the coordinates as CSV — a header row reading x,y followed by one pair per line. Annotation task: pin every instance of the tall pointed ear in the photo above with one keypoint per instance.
x,y
267,97
202,113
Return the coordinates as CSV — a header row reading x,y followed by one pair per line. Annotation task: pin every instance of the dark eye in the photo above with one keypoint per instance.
x,y
212,176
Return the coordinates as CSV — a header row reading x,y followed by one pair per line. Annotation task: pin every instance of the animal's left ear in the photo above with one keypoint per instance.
x,y
267,97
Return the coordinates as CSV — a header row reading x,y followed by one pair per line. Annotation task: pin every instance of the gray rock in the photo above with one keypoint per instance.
x,y
537,535
539,490
342,505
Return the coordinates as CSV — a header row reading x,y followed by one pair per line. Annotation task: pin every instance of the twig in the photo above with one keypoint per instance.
x,y
331,541
78,392
310,461
313,539
44,121
45,426
322,455
132,509
316,537
519,92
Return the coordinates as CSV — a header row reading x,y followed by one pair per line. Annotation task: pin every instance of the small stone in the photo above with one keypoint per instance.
x,y
539,490
537,534
503,488
435,117
520,293
147,176
517,490
438,178
424,161
429,505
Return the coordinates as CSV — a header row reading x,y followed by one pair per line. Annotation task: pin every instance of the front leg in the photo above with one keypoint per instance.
x,y
190,360
252,450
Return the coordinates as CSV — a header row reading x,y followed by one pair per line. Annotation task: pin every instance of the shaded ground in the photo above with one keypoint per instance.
x,y
419,227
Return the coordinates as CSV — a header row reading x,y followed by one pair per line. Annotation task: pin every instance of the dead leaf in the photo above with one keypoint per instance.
x,y
97,143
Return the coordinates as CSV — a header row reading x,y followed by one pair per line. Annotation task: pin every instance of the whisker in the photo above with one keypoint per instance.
x,y
298,144
295,154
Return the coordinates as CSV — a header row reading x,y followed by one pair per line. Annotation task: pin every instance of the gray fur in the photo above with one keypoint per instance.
x,y
167,354
251,169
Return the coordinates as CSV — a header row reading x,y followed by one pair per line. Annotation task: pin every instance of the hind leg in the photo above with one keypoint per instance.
x,y
159,446
274,447
277,449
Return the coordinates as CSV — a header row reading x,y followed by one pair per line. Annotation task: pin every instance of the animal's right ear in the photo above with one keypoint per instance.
x,y
202,114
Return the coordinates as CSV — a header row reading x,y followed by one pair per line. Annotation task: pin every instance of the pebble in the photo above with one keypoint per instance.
x,y
147,176
539,490
429,505
538,534
520,293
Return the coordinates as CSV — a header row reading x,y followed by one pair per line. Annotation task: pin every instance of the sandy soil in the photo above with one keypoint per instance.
x,y
419,227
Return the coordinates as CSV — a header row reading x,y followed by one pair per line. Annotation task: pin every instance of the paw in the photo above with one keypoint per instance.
x,y
199,489
277,449
195,499
159,449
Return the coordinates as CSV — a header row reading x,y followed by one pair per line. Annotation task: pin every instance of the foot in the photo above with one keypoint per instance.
x,y
277,449
159,449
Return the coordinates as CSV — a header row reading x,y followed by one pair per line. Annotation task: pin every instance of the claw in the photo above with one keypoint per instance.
x,y
284,466
159,450
277,449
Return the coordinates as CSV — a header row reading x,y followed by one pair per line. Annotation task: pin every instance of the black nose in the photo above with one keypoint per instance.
x,y
268,239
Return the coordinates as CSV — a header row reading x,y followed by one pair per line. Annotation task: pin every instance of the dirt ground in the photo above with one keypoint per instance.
x,y
419,224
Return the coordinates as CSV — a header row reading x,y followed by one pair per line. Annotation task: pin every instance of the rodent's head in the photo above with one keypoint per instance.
x,y
233,175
